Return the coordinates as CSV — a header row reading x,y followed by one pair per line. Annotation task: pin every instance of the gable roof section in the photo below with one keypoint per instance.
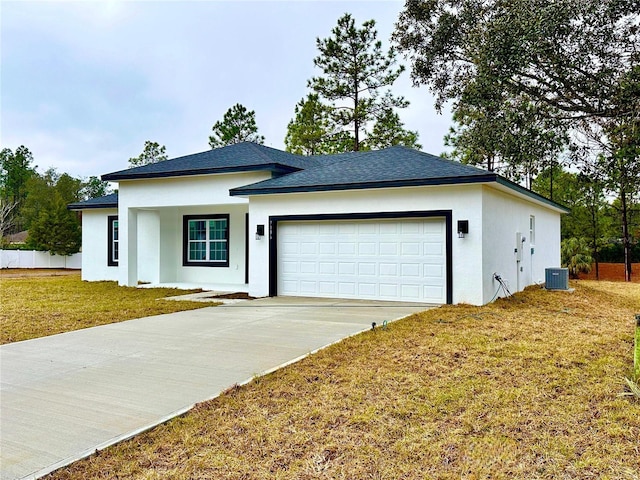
x,y
391,167
108,201
240,157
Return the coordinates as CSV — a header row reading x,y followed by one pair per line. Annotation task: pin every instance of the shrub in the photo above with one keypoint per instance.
x,y
576,256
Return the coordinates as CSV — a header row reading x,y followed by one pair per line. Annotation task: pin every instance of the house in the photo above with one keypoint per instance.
x,y
393,224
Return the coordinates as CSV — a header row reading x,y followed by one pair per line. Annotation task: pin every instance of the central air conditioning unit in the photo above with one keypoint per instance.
x,y
556,278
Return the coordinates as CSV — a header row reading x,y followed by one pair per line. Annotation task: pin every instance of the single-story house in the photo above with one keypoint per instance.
x,y
393,224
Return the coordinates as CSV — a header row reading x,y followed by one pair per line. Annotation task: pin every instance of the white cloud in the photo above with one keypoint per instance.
x,y
84,84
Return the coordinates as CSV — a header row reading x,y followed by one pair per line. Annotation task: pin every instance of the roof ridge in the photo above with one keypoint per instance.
x,y
258,147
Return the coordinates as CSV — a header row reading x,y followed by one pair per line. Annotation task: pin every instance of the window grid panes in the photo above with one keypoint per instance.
x,y
207,240
532,230
114,249
113,241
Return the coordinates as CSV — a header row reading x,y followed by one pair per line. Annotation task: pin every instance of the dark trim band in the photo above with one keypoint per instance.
x,y
273,167
257,190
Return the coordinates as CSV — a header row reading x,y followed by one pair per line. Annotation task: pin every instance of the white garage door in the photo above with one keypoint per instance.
x,y
381,259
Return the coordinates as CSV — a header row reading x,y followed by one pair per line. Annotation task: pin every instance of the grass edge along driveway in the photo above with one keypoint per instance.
x,y
39,306
524,388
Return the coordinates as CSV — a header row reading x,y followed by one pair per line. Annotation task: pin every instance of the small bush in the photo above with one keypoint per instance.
x,y
576,256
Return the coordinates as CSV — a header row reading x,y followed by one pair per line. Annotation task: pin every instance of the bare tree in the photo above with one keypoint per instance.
x,y
6,216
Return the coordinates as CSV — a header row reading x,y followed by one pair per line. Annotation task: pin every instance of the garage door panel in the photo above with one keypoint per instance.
x,y
327,268
346,288
389,269
368,248
388,290
411,228
308,267
432,248
346,248
433,271
327,248
366,269
289,248
387,248
290,286
346,268
367,229
367,289
308,287
410,270
433,293
375,259
327,288
309,248
388,228
289,267
410,291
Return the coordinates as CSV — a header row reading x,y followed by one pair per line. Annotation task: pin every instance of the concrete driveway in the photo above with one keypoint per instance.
x,y
65,396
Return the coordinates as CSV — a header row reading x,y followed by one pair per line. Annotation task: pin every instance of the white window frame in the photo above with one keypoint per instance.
x,y
532,229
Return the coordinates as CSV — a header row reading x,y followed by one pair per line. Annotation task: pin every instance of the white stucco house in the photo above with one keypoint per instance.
x,y
393,224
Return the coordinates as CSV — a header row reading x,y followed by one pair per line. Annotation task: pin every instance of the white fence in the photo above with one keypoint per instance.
x,y
33,259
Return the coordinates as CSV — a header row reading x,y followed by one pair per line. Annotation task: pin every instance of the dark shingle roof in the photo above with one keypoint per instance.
x,y
393,166
240,157
108,201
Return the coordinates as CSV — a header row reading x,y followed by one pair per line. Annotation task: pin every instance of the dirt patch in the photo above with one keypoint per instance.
x,y
613,272
37,272
233,296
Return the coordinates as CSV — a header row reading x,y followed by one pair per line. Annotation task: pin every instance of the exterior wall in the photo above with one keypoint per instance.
x,y
465,202
150,221
94,245
502,216
168,255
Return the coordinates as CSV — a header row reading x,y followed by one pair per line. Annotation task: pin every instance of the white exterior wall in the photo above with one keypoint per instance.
x,y
465,202
94,245
503,215
150,221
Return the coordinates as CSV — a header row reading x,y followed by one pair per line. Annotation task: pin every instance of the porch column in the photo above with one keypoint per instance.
x,y
128,262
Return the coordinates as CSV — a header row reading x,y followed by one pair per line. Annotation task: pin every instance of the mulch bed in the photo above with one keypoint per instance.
x,y
233,296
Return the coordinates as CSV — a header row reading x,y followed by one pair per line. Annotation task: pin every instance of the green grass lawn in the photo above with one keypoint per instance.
x,y
37,306
524,388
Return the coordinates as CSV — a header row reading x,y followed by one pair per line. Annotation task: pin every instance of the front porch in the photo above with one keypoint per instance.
x,y
185,247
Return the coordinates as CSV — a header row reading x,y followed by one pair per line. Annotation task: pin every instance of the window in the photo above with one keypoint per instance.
x,y
206,241
112,241
532,230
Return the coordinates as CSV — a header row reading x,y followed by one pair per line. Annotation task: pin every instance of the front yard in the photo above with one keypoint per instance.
x,y
36,306
523,388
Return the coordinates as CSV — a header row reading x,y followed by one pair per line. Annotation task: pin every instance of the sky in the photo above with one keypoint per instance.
x,y
84,84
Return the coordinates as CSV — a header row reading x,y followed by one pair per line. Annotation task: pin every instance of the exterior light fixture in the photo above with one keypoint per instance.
x,y
260,232
463,228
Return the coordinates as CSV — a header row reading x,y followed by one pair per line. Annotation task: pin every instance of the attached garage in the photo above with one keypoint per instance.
x,y
402,259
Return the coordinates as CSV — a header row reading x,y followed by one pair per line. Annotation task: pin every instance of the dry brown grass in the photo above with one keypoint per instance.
x,y
36,306
525,388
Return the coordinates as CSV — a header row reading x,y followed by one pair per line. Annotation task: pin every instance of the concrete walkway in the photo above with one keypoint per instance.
x,y
65,396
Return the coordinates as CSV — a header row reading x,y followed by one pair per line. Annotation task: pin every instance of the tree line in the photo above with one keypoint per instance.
x,y
38,203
